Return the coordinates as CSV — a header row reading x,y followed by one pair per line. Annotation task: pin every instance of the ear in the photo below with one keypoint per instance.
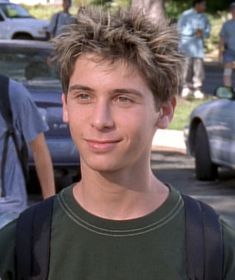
x,y
65,108
166,113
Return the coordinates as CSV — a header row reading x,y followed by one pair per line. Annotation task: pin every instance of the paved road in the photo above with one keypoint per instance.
x,y
178,170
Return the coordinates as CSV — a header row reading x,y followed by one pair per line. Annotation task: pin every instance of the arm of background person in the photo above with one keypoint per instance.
x,y
207,27
221,49
52,25
43,164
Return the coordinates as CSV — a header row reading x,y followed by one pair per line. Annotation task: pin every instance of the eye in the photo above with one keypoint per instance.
x,y
83,97
123,100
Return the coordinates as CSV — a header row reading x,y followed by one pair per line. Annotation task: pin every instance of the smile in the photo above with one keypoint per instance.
x,y
102,146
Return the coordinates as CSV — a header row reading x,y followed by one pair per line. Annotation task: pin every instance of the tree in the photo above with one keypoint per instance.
x,y
154,8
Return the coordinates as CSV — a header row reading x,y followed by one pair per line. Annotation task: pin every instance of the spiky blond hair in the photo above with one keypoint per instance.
x,y
124,35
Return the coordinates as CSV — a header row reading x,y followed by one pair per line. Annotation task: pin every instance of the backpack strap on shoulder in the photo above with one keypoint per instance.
x,y
7,114
33,234
5,110
214,255
204,241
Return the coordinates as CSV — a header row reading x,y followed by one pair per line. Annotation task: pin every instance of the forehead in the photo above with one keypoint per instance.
x,y
106,66
100,74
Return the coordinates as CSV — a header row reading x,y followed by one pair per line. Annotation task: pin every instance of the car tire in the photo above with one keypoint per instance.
x,y
206,170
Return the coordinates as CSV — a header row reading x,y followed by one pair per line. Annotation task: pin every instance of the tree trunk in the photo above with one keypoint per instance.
x,y
154,8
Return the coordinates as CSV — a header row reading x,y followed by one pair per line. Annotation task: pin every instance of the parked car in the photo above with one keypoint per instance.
x,y
17,23
210,135
29,62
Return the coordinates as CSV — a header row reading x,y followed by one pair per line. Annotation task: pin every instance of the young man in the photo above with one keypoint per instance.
x,y
227,47
120,74
60,19
194,27
27,121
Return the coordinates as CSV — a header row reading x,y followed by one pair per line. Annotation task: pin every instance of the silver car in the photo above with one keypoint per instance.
x,y
210,135
17,23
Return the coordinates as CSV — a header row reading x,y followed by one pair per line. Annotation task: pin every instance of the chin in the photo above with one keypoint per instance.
x,y
102,167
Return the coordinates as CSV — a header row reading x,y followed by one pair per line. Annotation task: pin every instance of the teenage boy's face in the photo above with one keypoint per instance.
x,y
112,114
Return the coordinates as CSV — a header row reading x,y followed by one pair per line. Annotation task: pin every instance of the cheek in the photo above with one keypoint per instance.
x,y
140,125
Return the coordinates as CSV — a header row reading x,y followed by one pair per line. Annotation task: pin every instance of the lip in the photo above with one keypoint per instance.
x,y
102,145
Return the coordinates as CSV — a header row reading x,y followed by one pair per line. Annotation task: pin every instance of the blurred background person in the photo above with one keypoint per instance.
x,y
28,125
227,47
60,19
194,27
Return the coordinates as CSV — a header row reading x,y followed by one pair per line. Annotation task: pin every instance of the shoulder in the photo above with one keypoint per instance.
x,y
229,23
56,15
187,13
16,87
7,233
7,249
20,97
16,90
229,236
229,250
226,25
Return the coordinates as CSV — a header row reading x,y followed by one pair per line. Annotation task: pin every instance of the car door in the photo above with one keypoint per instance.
x,y
221,132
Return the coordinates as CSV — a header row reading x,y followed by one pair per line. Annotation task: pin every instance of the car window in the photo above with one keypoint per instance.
x,y
15,11
29,66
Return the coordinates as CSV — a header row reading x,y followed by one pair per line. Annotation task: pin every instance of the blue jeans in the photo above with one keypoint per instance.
x,y
7,217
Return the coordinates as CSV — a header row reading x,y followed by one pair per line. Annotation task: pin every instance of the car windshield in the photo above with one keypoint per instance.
x,y
30,66
15,11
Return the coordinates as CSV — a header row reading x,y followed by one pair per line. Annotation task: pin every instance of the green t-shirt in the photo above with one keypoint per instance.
x,y
87,247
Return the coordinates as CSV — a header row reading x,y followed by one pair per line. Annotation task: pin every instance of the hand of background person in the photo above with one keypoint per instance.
x,y
199,33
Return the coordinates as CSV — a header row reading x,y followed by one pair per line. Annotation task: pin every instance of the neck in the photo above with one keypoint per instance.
x,y
120,196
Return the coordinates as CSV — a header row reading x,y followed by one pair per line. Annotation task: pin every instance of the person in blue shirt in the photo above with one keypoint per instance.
x,y
227,47
60,19
194,27
27,121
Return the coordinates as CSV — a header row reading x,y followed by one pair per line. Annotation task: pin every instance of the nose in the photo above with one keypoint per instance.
x,y
102,115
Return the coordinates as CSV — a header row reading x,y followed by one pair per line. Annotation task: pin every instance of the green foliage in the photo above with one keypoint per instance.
x,y
39,11
213,6
106,3
111,3
175,7
182,112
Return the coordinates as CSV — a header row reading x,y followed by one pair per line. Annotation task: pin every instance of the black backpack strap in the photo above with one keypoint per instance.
x,y
214,249
6,112
204,241
56,24
33,235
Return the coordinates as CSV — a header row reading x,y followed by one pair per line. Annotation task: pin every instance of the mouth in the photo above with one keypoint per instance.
x,y
102,145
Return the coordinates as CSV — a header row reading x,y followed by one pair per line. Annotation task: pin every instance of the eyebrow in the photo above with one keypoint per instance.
x,y
117,90
128,91
80,87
